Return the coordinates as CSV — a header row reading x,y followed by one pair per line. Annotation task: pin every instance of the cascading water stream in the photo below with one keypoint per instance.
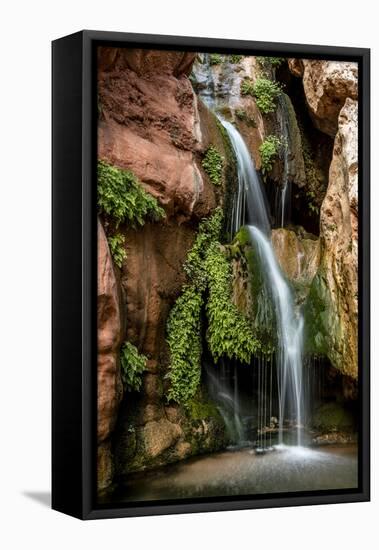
x,y
249,204
284,203
250,209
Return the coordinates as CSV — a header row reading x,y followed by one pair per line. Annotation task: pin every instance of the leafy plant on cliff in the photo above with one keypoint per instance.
x,y
133,364
265,92
117,247
269,150
271,61
215,59
213,164
209,275
121,196
184,322
229,332
235,58
184,340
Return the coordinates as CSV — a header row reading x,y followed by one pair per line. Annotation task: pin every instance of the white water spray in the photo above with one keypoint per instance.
x,y
250,209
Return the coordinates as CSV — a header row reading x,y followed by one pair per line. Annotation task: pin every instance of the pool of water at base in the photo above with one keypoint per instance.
x,y
243,472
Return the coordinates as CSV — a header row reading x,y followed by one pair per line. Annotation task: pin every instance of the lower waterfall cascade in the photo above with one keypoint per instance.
x,y
249,209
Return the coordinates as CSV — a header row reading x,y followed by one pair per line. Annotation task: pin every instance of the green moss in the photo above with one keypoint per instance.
x,y
265,92
117,247
229,332
243,237
215,59
133,365
213,164
262,316
234,58
266,62
121,197
322,325
269,151
199,409
209,285
184,340
241,114
332,417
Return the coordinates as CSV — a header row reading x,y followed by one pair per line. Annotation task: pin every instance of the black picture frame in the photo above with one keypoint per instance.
x,y
74,273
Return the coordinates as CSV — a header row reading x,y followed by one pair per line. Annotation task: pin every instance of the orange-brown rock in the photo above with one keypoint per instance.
x,y
298,256
296,66
109,334
336,283
150,124
146,62
327,85
152,278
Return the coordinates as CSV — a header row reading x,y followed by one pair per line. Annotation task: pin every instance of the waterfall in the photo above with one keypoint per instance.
x,y
285,199
249,204
250,209
224,390
290,331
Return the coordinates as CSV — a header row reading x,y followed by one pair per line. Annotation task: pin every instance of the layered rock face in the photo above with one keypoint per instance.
x,y
331,91
150,123
109,337
327,84
299,258
334,292
153,134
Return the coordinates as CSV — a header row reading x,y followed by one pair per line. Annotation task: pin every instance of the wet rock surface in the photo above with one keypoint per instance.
x,y
109,337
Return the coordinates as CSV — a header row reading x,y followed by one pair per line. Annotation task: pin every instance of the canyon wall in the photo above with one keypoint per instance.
x,y
150,123
154,121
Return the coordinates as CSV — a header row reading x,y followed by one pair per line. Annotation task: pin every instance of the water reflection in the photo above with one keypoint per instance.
x,y
242,472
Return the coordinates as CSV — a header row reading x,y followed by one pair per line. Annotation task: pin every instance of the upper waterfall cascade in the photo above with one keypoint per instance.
x,y
249,208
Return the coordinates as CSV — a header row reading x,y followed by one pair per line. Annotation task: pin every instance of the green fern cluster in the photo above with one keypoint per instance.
x,y
228,333
215,59
133,364
213,164
269,150
121,196
117,247
184,340
265,92
235,58
271,61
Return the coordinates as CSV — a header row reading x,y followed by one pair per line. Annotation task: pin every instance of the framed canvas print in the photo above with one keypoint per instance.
x,y
210,274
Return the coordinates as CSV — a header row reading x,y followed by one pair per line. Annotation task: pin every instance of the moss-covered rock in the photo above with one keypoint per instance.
x,y
331,417
250,292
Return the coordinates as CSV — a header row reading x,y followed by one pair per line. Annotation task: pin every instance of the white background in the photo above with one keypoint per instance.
x,y
26,31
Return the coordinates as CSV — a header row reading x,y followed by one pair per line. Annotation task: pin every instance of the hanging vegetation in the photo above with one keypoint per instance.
x,y
213,164
228,332
269,150
121,196
264,90
117,247
133,364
